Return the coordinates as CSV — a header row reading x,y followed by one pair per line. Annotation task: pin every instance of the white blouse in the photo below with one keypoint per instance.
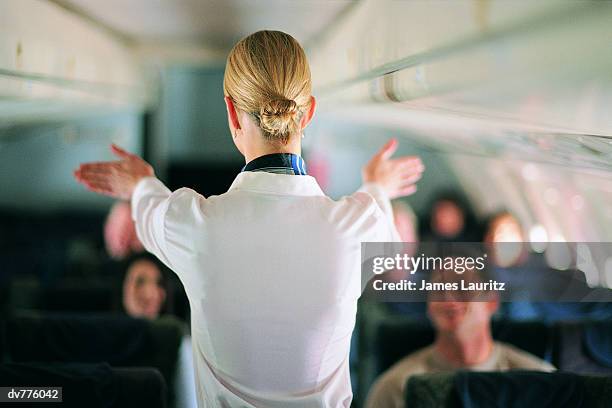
x,y
272,272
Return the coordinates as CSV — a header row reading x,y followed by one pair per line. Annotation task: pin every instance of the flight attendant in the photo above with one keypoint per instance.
x,y
272,267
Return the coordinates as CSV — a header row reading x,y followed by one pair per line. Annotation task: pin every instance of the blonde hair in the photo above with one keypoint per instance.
x,y
267,75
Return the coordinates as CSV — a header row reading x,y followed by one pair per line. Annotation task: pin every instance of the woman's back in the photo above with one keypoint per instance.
x,y
278,324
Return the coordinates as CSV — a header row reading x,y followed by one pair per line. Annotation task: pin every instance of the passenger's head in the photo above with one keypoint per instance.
x,y
449,215
503,227
406,221
144,288
267,86
119,232
461,312
505,237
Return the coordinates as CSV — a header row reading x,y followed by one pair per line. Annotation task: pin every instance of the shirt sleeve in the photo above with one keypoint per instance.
x,y
382,227
387,232
150,201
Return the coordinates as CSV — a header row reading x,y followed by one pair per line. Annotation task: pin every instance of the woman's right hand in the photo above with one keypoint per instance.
x,y
398,176
115,178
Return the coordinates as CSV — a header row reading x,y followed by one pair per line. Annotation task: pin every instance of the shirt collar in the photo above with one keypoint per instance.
x,y
280,184
278,163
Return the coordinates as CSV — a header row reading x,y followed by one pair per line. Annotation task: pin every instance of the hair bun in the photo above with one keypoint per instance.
x,y
277,116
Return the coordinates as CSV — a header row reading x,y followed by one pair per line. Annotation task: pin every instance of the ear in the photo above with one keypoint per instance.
x,y
231,113
309,114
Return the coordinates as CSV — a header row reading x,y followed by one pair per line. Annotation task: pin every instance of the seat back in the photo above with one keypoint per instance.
x,y
91,385
75,296
583,347
118,341
509,389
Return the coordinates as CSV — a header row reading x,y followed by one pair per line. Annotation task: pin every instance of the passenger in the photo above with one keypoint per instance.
x,y
145,295
503,226
505,234
119,232
505,237
463,341
144,290
450,219
406,221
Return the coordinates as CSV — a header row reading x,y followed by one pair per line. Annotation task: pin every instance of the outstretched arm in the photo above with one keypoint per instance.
x,y
385,178
149,202
114,178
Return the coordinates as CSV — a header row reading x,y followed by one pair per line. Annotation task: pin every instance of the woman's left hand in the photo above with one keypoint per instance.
x,y
116,178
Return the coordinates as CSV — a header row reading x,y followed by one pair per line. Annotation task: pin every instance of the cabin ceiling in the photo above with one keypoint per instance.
x,y
215,23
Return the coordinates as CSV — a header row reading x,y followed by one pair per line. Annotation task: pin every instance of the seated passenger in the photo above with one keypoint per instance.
x,y
119,232
505,236
144,290
450,219
145,294
463,341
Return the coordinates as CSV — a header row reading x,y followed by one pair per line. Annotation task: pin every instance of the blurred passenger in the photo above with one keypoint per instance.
x,y
145,295
463,341
119,232
144,288
505,236
406,221
450,219
513,263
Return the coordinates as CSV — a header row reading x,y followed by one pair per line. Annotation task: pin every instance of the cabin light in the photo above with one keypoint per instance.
x,y
551,196
538,238
577,202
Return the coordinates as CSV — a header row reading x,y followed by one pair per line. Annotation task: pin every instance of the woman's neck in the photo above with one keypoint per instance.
x,y
262,147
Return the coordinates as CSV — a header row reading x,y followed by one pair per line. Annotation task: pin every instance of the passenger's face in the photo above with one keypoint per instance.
x,y
143,293
505,237
451,313
505,228
453,317
448,219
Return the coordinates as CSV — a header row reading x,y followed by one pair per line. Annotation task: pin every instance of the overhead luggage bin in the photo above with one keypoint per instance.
x,y
527,66
57,64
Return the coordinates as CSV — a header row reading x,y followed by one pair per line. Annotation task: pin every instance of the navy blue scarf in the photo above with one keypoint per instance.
x,y
279,163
